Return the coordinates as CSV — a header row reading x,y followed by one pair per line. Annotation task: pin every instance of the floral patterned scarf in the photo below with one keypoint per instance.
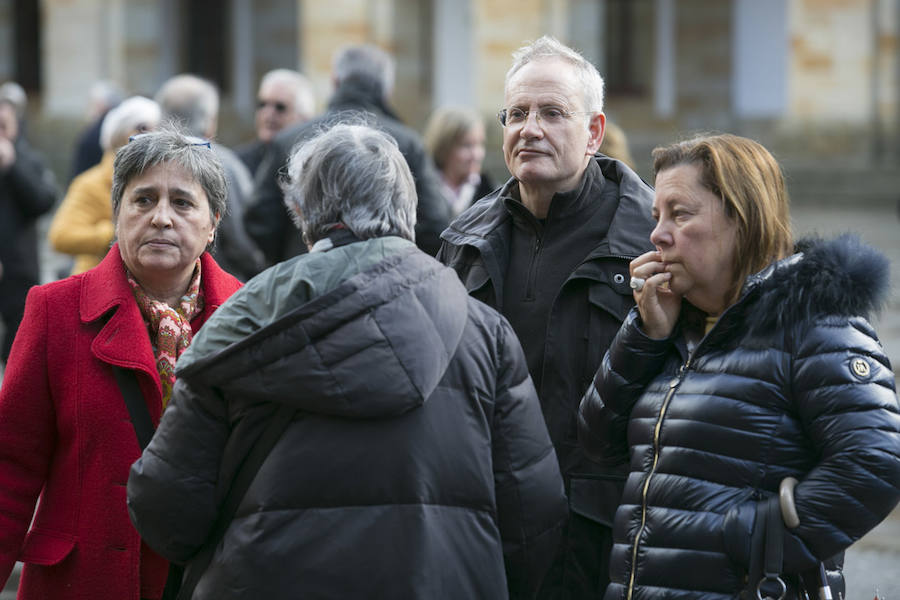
x,y
169,328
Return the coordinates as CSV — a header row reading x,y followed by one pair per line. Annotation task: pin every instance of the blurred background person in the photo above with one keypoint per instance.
x,y
285,98
194,103
363,79
422,488
27,190
14,93
83,224
88,151
742,364
66,438
615,144
454,138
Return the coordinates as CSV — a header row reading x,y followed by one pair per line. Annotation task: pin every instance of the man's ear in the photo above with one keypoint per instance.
x,y
597,127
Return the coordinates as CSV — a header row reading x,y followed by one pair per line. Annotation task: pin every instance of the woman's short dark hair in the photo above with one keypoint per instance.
x,y
751,185
353,175
169,144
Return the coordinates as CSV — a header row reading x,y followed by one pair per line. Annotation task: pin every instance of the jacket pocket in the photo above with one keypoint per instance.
x,y
43,547
596,498
614,297
609,304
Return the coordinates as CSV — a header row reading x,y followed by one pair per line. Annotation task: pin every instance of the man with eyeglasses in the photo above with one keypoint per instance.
x,y
550,250
285,98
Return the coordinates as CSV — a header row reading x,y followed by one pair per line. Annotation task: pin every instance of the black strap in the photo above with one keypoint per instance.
x,y
242,480
767,558
143,429
774,556
137,408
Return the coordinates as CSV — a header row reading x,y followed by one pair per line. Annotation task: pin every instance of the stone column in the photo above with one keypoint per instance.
x,y
83,41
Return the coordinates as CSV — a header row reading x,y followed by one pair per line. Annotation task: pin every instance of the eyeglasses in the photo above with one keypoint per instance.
x,y
549,115
278,106
192,140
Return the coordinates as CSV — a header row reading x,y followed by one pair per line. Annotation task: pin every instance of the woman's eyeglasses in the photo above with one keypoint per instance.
x,y
192,140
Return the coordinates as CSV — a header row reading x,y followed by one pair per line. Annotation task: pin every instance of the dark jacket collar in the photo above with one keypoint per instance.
x,y
563,204
629,230
360,93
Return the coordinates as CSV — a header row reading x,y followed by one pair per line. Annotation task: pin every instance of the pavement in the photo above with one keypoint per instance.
x,y
872,564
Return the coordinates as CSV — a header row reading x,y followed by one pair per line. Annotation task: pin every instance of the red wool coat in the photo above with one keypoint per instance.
x,y
66,435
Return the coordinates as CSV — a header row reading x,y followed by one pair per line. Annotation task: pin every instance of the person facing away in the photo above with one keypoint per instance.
x,y
454,138
285,98
417,464
83,224
194,104
363,79
550,250
66,439
743,364
27,191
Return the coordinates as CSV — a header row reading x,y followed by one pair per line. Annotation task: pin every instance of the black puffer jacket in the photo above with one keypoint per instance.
x,y
418,464
587,312
791,381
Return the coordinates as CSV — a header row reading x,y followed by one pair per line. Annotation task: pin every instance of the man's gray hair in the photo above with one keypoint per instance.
x,y
304,99
15,95
354,176
133,114
548,47
366,63
191,101
170,145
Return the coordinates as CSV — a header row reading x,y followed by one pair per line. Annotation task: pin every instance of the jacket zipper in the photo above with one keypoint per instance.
x,y
532,268
673,386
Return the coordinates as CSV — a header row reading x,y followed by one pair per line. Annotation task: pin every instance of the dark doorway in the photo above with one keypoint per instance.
x,y
27,44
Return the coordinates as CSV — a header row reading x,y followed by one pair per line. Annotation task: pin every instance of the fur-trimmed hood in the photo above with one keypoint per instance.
x,y
841,276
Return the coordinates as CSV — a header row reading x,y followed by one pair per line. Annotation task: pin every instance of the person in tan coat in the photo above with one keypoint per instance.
x,y
83,225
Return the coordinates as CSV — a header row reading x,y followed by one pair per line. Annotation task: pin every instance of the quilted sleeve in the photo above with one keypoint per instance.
x,y
531,502
633,359
172,497
844,392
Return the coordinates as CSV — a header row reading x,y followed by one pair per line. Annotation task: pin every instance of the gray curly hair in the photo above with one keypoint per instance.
x,y
354,175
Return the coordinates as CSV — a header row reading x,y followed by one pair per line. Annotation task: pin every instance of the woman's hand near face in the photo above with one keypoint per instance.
x,y
658,305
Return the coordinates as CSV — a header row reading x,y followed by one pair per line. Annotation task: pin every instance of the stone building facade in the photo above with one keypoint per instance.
x,y
811,78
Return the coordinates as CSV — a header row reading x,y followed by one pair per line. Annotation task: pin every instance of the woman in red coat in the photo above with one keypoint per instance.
x,y
66,436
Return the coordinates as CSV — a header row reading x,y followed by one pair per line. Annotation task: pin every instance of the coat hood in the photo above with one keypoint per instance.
x,y
842,276
375,344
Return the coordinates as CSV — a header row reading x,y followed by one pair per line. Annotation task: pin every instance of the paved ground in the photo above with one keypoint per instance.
x,y
873,563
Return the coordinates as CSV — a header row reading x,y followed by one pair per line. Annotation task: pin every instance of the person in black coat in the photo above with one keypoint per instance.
x,y
417,464
27,190
550,251
745,368
88,151
363,78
